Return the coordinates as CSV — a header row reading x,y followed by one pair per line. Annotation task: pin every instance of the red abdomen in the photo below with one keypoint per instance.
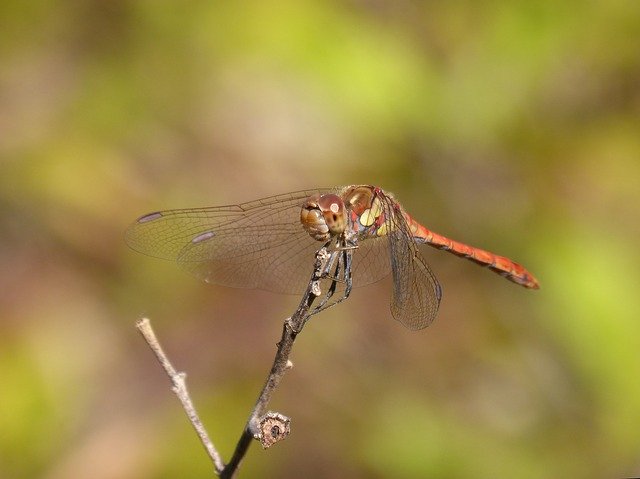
x,y
503,266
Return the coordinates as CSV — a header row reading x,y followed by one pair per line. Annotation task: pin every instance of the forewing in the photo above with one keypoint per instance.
x,y
260,244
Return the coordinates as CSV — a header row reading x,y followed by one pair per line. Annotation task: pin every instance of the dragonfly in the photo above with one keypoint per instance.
x,y
270,244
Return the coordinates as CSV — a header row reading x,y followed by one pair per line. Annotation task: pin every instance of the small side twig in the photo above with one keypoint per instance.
x,y
178,380
267,427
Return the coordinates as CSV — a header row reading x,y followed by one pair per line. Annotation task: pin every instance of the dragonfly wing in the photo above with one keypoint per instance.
x,y
416,291
371,261
260,244
283,265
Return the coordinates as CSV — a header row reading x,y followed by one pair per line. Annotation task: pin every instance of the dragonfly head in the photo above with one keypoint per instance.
x,y
323,216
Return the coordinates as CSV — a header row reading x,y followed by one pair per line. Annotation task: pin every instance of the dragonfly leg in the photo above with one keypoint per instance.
x,y
326,272
341,274
348,256
334,274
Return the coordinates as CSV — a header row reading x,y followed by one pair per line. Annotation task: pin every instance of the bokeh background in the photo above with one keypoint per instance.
x,y
513,126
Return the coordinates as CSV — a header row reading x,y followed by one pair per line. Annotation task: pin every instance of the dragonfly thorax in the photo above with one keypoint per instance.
x,y
323,216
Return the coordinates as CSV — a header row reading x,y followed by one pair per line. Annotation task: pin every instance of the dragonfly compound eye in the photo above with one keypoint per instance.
x,y
313,221
323,216
332,208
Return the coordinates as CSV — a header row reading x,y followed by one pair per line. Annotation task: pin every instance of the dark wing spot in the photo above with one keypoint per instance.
x,y
203,237
150,217
438,291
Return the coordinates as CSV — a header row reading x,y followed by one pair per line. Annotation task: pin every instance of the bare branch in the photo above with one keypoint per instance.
x,y
267,427
178,380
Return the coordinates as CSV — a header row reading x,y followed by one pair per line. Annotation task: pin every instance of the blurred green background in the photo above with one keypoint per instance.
x,y
512,126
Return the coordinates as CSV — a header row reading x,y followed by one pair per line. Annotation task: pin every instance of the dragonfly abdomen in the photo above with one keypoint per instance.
x,y
499,264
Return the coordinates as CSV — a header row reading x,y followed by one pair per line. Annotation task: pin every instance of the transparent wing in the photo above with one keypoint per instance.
x,y
371,261
416,291
260,244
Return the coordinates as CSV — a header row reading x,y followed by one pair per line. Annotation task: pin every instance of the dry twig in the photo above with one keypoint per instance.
x,y
267,427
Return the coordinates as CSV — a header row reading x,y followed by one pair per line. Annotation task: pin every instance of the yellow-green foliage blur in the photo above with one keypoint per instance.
x,y
512,126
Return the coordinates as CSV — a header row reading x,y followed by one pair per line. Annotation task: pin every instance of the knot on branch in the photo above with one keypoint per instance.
x,y
273,427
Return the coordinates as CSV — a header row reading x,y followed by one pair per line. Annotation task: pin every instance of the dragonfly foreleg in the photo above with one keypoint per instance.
x,y
334,275
341,274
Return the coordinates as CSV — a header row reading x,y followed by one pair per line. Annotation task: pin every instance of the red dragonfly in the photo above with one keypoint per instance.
x,y
270,244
